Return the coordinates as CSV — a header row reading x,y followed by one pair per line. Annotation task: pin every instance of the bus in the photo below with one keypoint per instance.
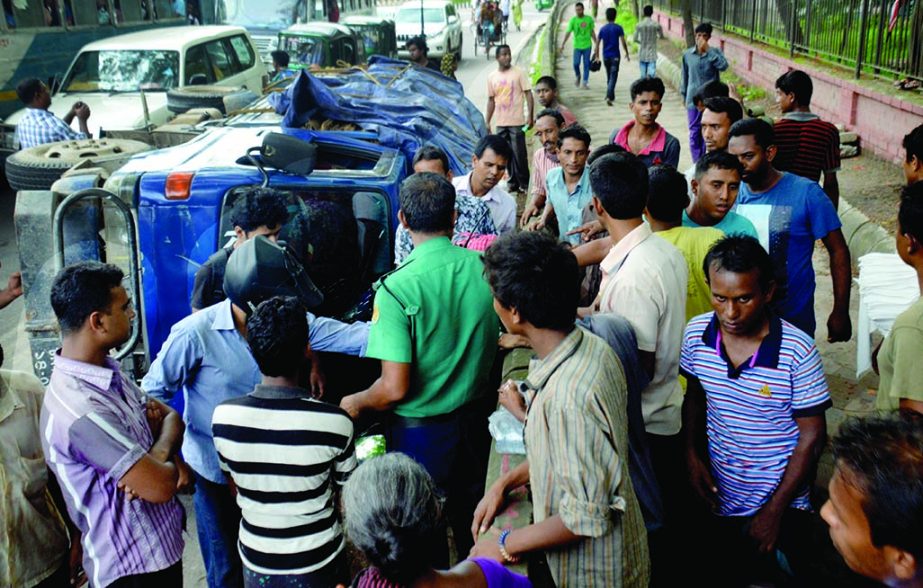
x,y
40,38
265,19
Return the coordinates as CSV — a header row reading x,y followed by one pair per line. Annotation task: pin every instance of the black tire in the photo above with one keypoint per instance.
x,y
179,100
37,168
33,176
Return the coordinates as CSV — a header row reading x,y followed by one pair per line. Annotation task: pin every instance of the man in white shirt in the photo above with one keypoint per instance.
x,y
488,166
644,280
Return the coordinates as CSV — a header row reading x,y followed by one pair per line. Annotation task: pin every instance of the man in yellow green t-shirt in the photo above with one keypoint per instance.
x,y
584,30
666,199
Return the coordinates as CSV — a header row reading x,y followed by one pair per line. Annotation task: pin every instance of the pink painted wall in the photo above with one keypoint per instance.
x,y
881,120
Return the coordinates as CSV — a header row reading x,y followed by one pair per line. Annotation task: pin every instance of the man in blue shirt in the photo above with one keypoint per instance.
x,y
609,37
790,213
280,70
207,359
39,126
701,64
568,186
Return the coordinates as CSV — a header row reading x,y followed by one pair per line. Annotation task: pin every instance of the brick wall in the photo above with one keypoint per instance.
x,y
881,120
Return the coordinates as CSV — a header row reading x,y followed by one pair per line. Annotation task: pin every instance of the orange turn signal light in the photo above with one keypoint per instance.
x,y
179,185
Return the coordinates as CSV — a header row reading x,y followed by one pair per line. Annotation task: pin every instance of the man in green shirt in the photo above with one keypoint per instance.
x,y
584,30
435,331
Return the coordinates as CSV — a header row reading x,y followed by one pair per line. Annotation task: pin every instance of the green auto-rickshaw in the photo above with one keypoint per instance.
x,y
321,44
376,34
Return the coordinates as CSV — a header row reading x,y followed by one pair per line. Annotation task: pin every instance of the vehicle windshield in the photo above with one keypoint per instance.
x,y
303,50
123,71
412,15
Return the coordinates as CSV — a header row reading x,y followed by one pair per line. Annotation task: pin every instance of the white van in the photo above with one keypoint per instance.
x,y
441,24
108,75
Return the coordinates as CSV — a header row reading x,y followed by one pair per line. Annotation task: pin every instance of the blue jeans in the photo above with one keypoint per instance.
x,y
582,55
612,76
217,519
648,69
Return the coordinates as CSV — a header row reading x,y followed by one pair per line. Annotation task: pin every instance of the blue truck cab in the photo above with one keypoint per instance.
x,y
342,191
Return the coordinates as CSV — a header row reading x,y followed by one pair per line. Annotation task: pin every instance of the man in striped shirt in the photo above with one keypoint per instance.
x,y
756,391
548,126
646,34
115,453
285,453
806,145
587,518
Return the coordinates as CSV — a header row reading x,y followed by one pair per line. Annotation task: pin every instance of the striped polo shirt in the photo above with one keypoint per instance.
x,y
751,409
806,145
284,451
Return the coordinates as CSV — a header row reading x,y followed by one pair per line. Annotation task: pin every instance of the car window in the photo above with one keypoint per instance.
x,y
221,63
243,51
197,67
112,71
348,52
303,50
412,15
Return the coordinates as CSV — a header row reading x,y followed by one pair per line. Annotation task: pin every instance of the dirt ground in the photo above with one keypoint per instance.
x,y
868,182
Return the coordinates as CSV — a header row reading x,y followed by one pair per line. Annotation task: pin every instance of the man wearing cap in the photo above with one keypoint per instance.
x,y
207,359
435,331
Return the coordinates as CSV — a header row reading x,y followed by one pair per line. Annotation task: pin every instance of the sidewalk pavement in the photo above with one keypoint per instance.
x,y
850,397
590,107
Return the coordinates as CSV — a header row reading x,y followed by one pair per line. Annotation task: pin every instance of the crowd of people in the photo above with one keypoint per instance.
x,y
673,412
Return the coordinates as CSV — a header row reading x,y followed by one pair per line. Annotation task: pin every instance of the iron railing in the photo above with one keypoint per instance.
x,y
871,37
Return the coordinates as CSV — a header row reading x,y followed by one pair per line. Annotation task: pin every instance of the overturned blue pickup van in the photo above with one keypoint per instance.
x,y
162,213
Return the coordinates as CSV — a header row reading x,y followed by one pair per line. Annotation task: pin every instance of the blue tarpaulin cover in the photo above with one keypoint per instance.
x,y
407,106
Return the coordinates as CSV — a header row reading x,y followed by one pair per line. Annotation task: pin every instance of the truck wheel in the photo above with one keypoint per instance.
x,y
37,168
224,98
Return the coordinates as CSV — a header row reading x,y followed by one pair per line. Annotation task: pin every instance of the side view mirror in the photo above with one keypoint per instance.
x,y
198,79
289,154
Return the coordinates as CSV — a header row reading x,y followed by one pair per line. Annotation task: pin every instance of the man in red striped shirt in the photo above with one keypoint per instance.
x,y
807,146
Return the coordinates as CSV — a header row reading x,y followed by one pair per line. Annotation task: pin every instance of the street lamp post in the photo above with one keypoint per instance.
x,y
422,25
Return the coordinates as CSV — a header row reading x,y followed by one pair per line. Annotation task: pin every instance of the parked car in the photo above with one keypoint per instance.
x,y
322,44
441,25
377,35
110,75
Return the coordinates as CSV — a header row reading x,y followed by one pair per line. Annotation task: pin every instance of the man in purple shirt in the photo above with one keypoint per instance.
x,y
113,451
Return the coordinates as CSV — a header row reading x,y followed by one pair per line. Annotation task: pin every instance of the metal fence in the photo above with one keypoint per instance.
x,y
873,37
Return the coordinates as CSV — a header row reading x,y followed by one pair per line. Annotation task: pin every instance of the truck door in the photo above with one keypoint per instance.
x,y
88,225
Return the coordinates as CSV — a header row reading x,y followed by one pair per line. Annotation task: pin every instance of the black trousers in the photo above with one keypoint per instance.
x,y
172,576
454,449
518,167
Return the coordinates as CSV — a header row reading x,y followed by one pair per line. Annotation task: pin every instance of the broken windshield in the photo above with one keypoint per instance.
x,y
123,71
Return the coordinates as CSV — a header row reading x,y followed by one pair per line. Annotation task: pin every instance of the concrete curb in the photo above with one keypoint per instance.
x,y
669,71
861,234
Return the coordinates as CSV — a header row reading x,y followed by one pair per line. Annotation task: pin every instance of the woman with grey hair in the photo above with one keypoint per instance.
x,y
393,516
